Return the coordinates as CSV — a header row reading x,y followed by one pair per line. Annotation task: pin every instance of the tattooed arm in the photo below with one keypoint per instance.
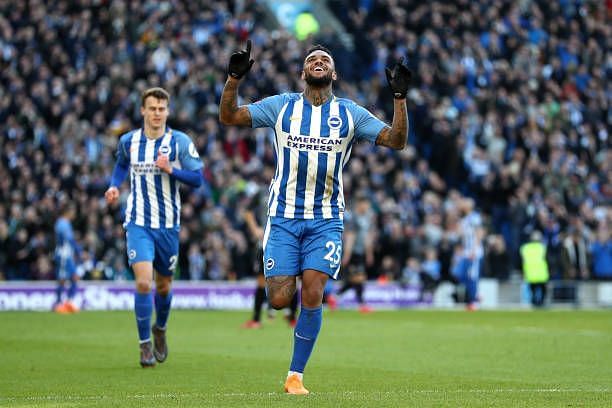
x,y
229,111
395,136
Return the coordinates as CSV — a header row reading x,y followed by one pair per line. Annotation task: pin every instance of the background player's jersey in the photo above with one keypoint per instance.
x,y
258,206
312,144
154,200
65,245
471,242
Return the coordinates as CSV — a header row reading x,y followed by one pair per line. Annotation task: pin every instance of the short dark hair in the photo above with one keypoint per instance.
x,y
67,207
157,93
318,47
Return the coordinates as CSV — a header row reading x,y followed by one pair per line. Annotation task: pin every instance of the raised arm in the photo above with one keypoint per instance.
x,y
229,112
396,136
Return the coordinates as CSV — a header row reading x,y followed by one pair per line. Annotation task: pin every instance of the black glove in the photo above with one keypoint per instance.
x,y
399,79
240,62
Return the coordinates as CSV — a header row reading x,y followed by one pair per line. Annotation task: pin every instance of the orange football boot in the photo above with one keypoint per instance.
x,y
365,309
332,302
251,324
61,308
293,385
71,307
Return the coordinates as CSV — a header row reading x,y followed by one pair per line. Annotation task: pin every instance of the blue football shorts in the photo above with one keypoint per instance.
x,y
294,245
468,269
157,245
65,267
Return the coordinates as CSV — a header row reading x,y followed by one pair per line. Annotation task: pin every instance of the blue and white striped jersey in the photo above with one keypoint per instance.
x,y
470,241
154,200
312,144
65,245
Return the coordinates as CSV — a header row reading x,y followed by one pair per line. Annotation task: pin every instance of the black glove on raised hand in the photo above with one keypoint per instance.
x,y
399,79
240,62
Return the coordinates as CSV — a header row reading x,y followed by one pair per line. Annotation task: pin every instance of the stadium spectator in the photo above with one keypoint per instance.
x,y
497,261
575,258
4,239
410,273
197,262
430,273
602,254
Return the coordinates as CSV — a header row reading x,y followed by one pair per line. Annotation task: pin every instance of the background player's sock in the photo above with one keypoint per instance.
x,y
260,298
58,293
293,307
162,309
305,336
346,286
72,290
143,307
329,288
359,292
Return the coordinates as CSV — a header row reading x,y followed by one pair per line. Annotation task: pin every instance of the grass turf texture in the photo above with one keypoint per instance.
x,y
395,359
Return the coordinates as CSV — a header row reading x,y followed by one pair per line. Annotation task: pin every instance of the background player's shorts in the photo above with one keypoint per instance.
x,y
467,270
65,268
294,245
356,266
157,245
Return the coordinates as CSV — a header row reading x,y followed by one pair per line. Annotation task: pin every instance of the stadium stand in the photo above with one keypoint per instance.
x,y
511,107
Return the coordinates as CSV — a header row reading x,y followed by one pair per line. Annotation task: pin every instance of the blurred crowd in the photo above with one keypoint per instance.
x,y
510,107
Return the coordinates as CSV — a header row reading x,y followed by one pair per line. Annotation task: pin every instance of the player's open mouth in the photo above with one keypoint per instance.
x,y
318,69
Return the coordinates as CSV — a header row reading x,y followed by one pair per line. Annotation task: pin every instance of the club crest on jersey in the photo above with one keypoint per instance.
x,y
269,263
165,150
334,122
132,254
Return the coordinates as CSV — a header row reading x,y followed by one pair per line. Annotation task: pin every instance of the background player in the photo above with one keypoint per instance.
x,y
471,252
156,157
314,133
358,249
67,251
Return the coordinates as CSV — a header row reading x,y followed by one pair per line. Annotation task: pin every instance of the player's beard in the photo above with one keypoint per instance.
x,y
318,82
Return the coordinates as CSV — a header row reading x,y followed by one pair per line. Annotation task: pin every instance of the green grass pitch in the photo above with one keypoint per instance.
x,y
385,359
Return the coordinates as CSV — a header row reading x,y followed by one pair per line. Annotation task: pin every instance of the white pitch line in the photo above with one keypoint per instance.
x,y
161,396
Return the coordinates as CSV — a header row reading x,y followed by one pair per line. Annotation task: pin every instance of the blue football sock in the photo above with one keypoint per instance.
x,y
329,288
58,292
72,290
162,309
305,336
143,308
